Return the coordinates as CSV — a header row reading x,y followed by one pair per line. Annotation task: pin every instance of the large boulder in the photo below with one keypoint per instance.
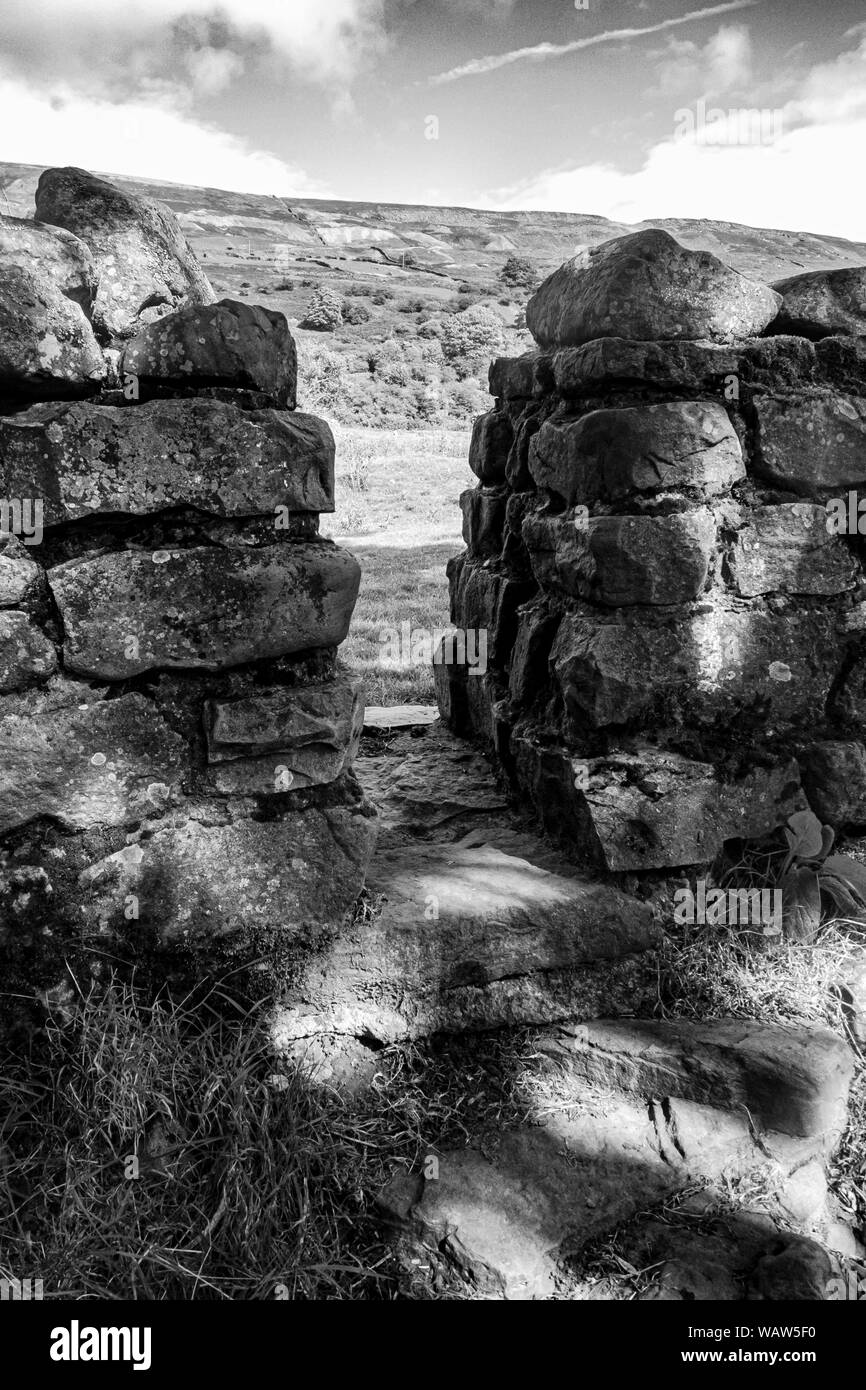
x,y
224,344
47,284
85,458
822,303
145,264
206,608
646,286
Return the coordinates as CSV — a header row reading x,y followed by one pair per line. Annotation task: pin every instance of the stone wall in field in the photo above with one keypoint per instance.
x,y
175,744
663,551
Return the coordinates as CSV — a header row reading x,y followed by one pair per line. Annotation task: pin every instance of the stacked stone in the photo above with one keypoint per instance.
x,y
175,741
676,629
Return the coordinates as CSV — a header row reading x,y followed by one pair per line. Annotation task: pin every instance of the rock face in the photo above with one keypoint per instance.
x,y
823,303
646,286
145,265
209,814
665,568
47,285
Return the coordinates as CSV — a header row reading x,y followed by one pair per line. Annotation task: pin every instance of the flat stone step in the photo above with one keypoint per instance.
x,y
470,936
383,718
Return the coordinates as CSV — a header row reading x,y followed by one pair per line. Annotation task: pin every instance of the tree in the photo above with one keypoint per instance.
x,y
472,334
324,312
519,273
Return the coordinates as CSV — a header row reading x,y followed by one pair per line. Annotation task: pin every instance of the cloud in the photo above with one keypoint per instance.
x,y
801,177
722,64
320,39
539,52
139,138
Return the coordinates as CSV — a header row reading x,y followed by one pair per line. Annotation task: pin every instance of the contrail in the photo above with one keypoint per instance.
x,y
556,50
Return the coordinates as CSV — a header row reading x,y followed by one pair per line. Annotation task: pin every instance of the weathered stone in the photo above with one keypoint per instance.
x,y
517,472
284,738
516,377
716,665
26,655
47,347
607,362
811,441
788,549
834,776
647,286
486,602
489,447
613,454
225,344
19,573
85,458
620,560
251,885
653,810
483,519
206,608
792,1080
801,1271
822,303
536,628
52,256
111,762
144,263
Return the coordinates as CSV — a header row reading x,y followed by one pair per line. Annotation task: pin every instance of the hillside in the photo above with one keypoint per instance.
x,y
399,268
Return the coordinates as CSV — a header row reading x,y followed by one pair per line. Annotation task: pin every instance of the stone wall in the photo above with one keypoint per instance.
x,y
176,745
676,629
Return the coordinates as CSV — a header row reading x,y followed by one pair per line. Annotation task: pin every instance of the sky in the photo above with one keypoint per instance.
x,y
747,111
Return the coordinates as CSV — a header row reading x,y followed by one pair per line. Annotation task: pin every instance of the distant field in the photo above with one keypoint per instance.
x,y
397,511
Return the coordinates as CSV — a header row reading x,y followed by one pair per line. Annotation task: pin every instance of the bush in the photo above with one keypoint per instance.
x,y
355,313
472,334
323,311
284,284
519,272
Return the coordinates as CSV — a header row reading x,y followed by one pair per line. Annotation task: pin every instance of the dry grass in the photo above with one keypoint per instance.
x,y
397,512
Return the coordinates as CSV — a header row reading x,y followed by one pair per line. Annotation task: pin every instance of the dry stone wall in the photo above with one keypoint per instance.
x,y
175,742
664,550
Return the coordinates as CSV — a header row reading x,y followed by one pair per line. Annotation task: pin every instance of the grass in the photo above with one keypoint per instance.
x,y
397,511
155,1151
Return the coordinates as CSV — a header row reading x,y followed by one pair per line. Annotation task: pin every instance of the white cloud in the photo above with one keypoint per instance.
x,y
322,39
139,138
723,63
803,179
539,52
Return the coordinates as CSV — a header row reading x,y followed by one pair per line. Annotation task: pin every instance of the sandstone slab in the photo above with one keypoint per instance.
x,y
224,344
609,362
85,458
144,263
811,441
788,549
206,608
647,286
613,454
282,739
716,665
791,1080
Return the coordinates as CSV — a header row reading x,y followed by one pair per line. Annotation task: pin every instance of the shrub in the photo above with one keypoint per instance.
x,y
519,272
323,311
284,284
472,334
355,313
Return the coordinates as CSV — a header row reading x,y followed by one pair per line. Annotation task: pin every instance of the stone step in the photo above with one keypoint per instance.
x,y
618,1131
